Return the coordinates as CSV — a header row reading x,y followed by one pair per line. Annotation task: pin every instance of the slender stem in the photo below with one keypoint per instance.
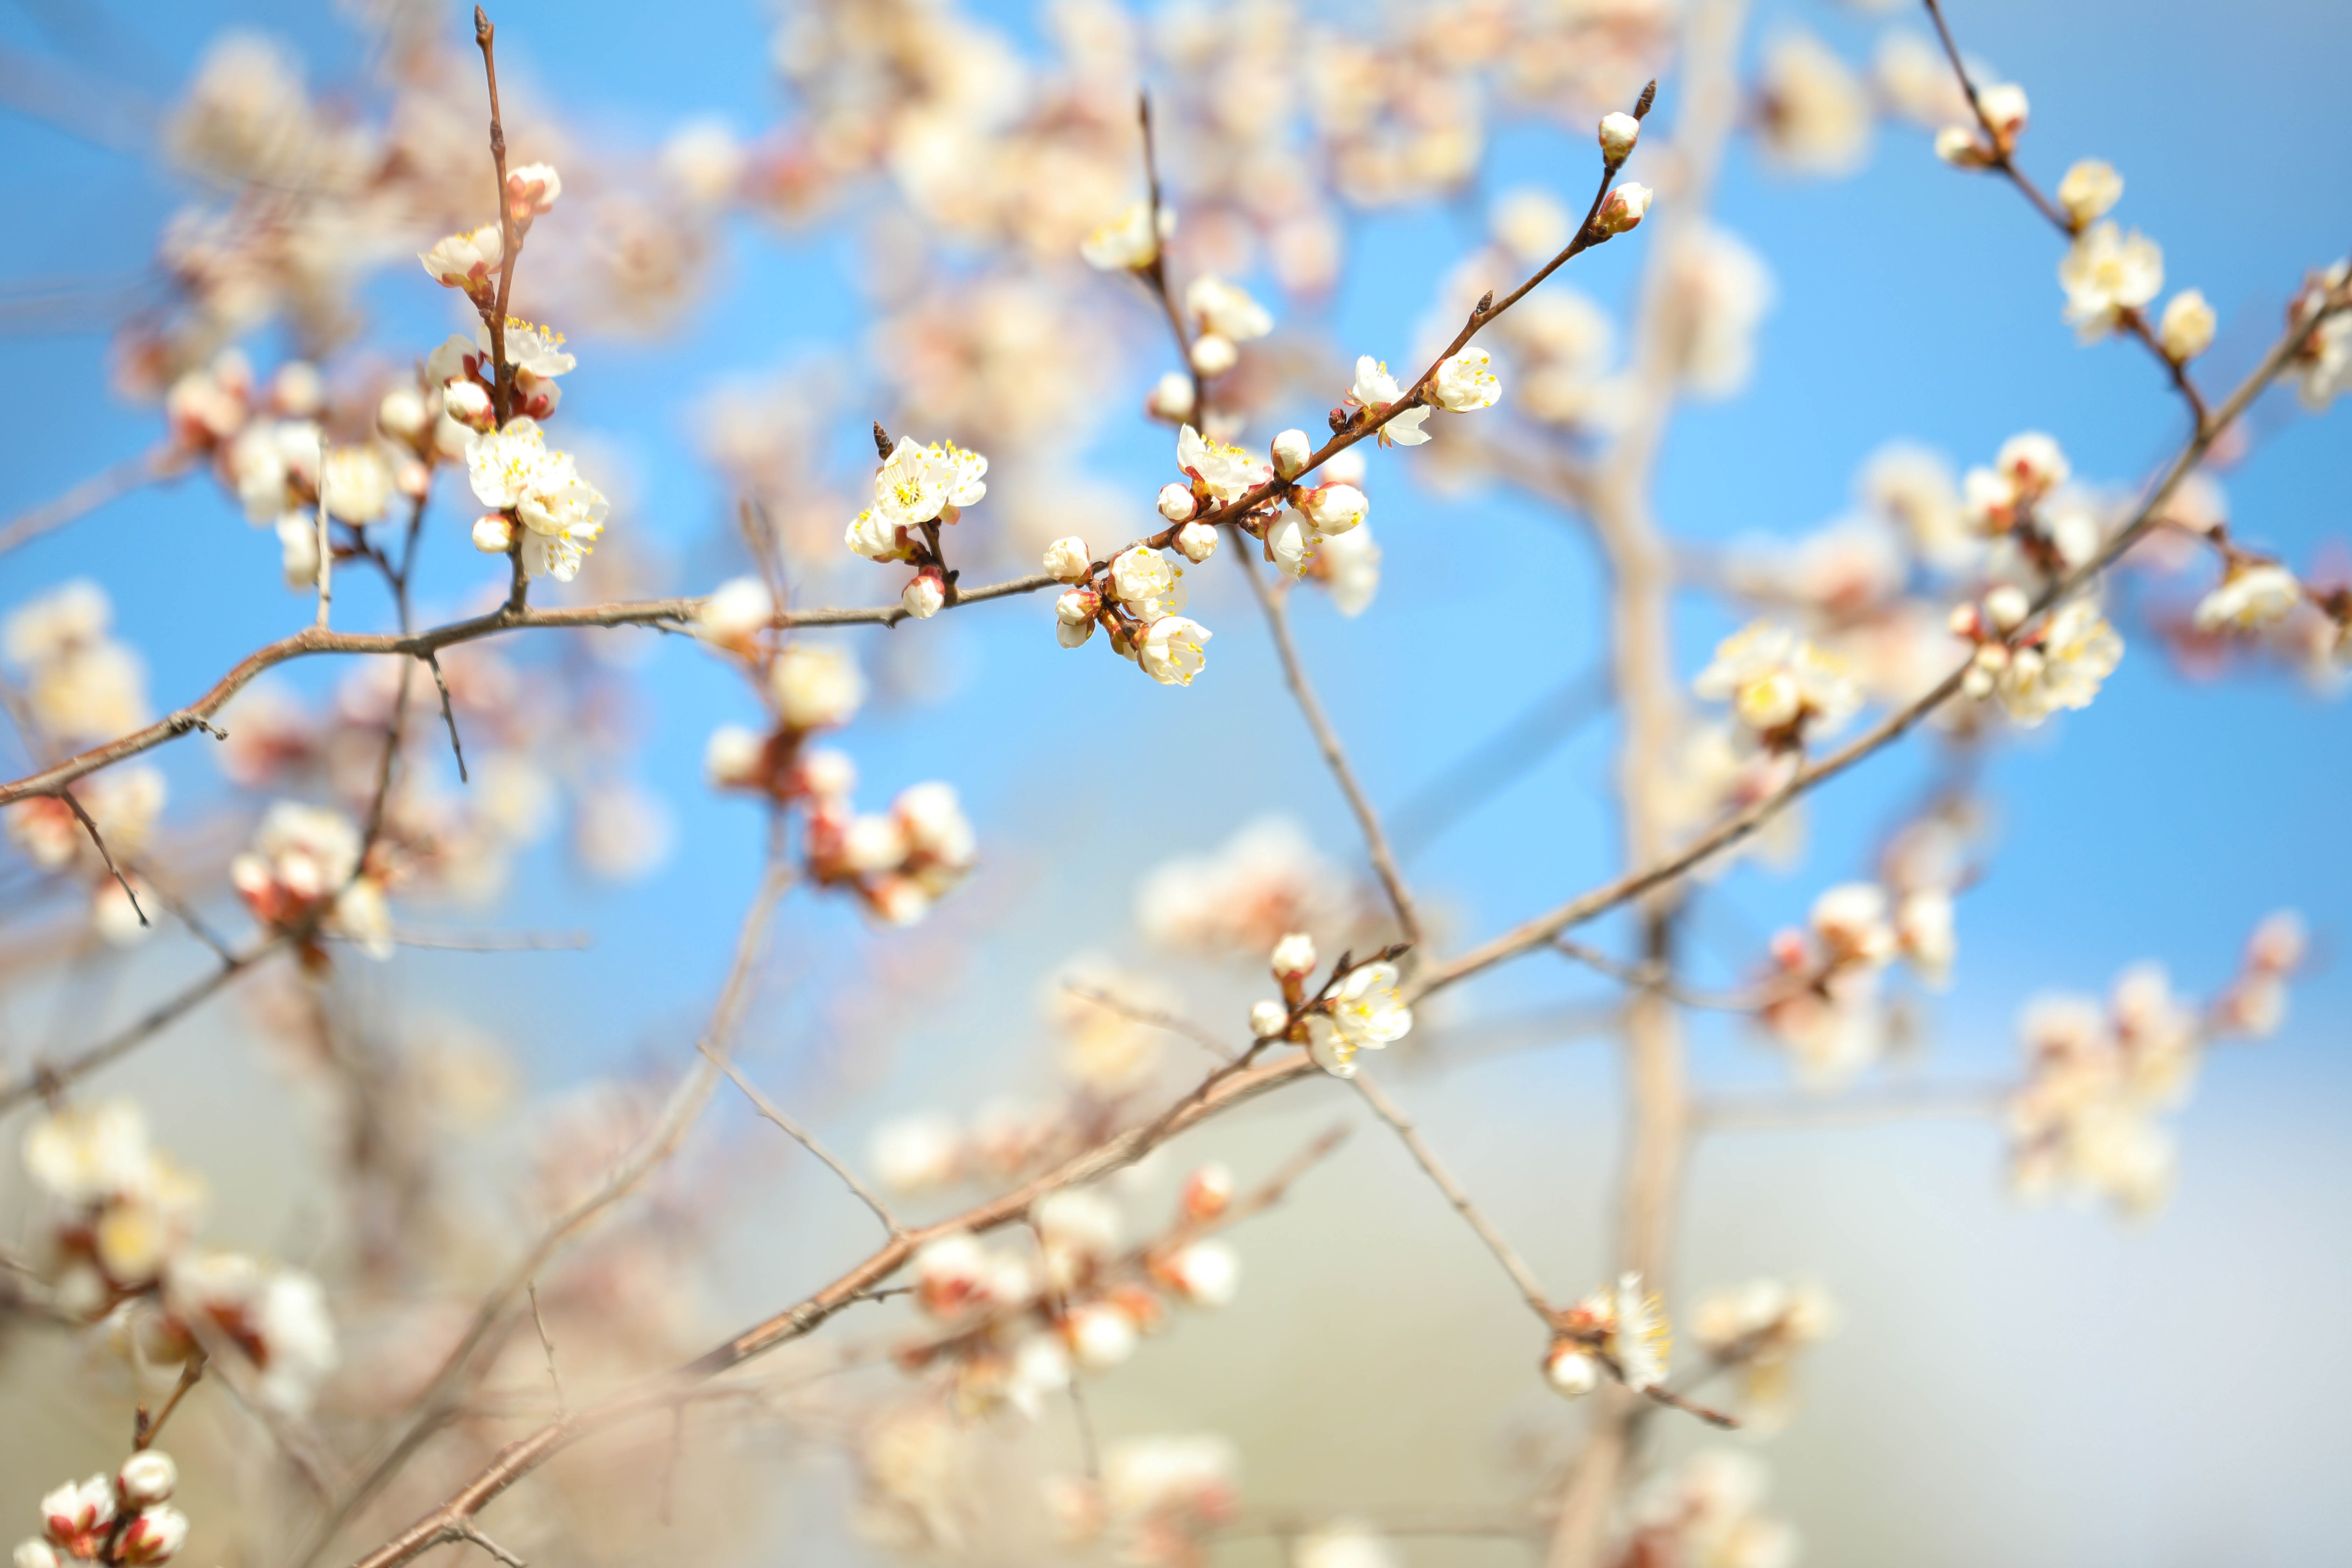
x,y
86,496
44,1078
801,1136
1387,1109
1335,755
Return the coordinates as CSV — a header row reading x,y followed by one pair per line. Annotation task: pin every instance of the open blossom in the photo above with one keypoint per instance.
x,y
1778,683
1333,509
76,1516
1373,391
1170,650
562,514
530,347
277,1315
1146,581
2064,669
1225,311
1227,472
465,260
816,686
356,484
2107,272
2325,361
2089,190
1638,1339
1364,1012
919,484
1467,380
1128,243
2249,598
1349,565
305,866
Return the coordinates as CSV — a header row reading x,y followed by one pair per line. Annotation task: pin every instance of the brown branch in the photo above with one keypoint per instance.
x,y
1775,1112
501,382
1335,755
801,1136
44,1078
1484,1228
86,496
89,825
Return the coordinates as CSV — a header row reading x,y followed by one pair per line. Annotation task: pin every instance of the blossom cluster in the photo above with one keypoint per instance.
x,y
1620,1333
1358,1009
1758,1330
124,1519
1821,994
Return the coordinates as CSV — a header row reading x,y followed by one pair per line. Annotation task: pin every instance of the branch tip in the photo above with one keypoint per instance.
x,y
1642,105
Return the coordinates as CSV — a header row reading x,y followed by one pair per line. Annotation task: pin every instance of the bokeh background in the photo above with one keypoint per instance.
x,y
2036,1386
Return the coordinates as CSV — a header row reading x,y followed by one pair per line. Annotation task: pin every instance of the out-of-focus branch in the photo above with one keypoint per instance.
x,y
1900,1102
44,1078
1335,755
107,484
801,1136
1387,1109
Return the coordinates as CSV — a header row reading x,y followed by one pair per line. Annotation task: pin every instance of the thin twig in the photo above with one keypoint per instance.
x,y
801,1136
1335,755
147,1430
1153,1017
87,496
50,1077
89,825
1484,1228
547,1344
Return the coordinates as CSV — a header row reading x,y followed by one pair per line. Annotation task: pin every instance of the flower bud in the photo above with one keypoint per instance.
x,y
1571,1371
734,758
2003,106
1078,605
925,594
401,414
1196,542
147,1478
2187,329
1206,1273
1178,503
2089,189
737,611
1208,1192
1977,684
1171,399
1066,560
2007,606
1333,509
1101,1337
1966,622
1619,131
36,1554
494,534
1294,956
1962,148
1269,1019
825,774
1291,451
1213,353
155,1536
531,191
1625,207
469,404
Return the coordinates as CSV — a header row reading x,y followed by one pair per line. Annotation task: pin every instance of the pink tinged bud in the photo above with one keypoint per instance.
x,y
1292,451
1294,956
1213,353
2278,943
1196,542
1962,148
2004,109
147,1478
1619,131
1626,206
1101,1337
1177,503
494,534
1066,560
155,1536
735,758
469,405
825,774
1207,1273
1074,615
1171,399
1208,1192
1333,509
926,595
1967,622
531,191
2007,606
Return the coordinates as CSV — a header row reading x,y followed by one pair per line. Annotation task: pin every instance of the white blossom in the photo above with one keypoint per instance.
x,y
1226,310
2249,598
465,260
1128,243
1292,451
1177,503
1776,679
2186,329
1294,956
740,609
1171,651
2004,108
1638,1340
1227,472
1066,561
1206,1273
1619,131
1374,390
815,686
925,595
1350,565
2107,272
1195,541
2064,669
147,1477
1333,508
2089,190
1467,380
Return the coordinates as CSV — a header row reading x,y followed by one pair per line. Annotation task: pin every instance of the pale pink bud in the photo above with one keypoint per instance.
x,y
147,1478
2007,606
1294,956
153,1537
469,404
531,191
1619,131
1066,560
1626,206
1292,450
925,594
1208,1192
1206,1273
494,534
2278,943
1177,503
1171,399
1196,542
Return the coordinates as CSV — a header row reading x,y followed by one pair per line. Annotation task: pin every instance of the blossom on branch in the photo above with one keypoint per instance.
x,y
2106,273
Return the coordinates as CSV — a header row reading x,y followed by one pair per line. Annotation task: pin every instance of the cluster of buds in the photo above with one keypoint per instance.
x,y
304,878
1138,595
123,1519
1358,1009
473,260
2004,112
2060,663
918,488
1621,1332
1758,1330
898,863
1822,995
1782,688
2098,1077
1014,1330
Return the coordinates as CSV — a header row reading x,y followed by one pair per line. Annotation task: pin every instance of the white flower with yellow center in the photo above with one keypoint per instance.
x,y
1467,380
2077,650
1775,681
1147,582
2250,598
1364,1013
1128,243
1373,390
1171,651
1226,471
530,347
465,260
2107,273
1640,1340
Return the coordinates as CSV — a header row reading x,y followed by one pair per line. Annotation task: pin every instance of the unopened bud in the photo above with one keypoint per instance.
x,y
147,1478
1623,209
1269,1019
401,412
1196,542
1171,399
1178,503
1571,1369
1962,148
531,190
2187,329
1619,131
2004,105
2007,606
1291,451
925,594
734,758
469,404
1077,605
1213,353
494,534
1066,560
1208,1192
1294,956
